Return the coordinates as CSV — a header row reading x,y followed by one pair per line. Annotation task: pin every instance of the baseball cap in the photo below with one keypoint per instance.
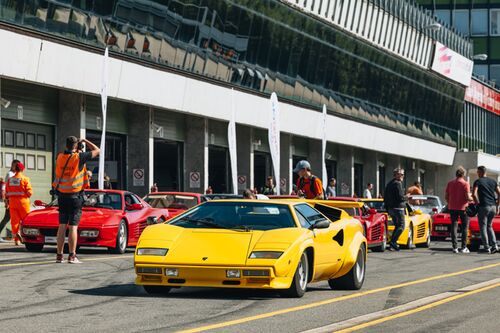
x,y
302,165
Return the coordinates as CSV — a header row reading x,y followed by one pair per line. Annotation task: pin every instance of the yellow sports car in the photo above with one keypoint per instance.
x,y
417,230
266,244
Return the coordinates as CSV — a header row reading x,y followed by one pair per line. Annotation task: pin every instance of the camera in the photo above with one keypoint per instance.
x,y
80,145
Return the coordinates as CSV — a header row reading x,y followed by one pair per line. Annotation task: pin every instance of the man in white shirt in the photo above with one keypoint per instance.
x,y
367,193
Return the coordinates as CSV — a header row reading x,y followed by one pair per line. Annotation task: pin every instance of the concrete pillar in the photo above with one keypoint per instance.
x,y
345,166
370,169
315,157
196,154
411,167
140,152
286,166
71,117
393,162
244,148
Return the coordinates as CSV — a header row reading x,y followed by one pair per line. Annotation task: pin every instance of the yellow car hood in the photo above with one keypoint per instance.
x,y
211,246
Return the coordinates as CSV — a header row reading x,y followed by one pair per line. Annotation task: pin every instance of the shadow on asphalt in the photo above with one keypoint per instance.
x,y
52,249
132,290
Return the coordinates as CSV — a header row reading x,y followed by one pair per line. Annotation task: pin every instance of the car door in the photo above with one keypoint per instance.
x,y
328,242
137,221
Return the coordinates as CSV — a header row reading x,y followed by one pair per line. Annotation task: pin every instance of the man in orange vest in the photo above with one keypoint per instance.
x,y
70,181
18,191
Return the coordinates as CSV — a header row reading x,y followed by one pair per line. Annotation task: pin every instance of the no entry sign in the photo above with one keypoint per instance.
x,y
194,179
138,177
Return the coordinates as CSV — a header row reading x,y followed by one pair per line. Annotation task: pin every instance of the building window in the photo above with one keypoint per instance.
x,y
479,22
443,15
30,141
495,74
20,139
30,162
495,22
40,161
41,142
8,138
481,71
461,21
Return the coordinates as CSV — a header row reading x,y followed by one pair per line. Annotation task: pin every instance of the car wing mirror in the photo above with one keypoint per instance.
x,y
372,211
135,206
40,203
323,224
152,220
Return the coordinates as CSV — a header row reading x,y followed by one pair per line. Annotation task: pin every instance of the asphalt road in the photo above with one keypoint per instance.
x,y
99,295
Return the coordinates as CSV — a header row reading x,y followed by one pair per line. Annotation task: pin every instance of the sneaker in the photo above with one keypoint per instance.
x,y
455,250
488,251
393,247
494,250
3,240
59,258
465,250
73,259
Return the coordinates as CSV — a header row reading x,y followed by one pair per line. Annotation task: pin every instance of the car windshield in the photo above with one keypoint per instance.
x,y
172,201
236,216
425,204
378,205
98,200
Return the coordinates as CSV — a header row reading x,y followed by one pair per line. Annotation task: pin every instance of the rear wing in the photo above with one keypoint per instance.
x,y
339,203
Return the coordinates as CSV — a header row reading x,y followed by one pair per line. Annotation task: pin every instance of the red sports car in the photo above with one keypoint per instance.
x,y
110,218
175,202
374,222
441,228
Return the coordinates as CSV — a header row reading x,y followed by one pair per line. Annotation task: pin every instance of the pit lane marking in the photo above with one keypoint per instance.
x,y
53,262
334,300
407,309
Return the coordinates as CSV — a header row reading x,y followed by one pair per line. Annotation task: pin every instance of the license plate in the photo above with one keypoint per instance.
x,y
53,240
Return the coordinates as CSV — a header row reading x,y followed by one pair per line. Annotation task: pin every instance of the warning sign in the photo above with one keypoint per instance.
x,y
283,182
138,177
242,182
194,179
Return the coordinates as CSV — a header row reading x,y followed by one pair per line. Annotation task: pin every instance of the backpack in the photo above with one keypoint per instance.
x,y
313,188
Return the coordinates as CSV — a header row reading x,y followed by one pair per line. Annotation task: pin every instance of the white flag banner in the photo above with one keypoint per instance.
x,y
231,139
324,175
274,139
104,104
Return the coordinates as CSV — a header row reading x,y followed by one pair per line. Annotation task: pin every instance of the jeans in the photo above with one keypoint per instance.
x,y
455,214
5,220
398,219
485,219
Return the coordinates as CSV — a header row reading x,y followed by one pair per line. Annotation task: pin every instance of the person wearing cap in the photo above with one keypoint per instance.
x,y
308,185
18,191
69,184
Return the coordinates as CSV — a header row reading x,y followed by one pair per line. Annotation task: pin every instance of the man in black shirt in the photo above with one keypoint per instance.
x,y
394,201
484,195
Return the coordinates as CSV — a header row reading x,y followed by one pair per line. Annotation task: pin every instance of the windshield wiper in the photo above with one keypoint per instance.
x,y
205,221
240,228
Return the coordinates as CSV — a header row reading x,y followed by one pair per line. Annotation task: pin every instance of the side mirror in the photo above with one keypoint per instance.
x,y
434,209
323,224
372,211
417,212
40,203
152,220
135,206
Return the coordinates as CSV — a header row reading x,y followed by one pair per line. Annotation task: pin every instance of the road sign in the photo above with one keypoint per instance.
x,y
242,182
138,177
194,179
283,182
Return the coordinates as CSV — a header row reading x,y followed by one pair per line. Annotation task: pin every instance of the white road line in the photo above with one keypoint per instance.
x,y
399,309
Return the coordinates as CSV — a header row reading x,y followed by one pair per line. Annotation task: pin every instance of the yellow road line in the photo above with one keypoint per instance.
x,y
419,309
53,262
333,300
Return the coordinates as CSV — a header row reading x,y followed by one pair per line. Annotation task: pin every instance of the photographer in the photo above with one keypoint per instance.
x,y
68,185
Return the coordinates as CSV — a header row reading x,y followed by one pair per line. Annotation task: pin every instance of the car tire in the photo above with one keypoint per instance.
x,y
30,247
383,246
156,290
300,279
354,279
409,241
121,238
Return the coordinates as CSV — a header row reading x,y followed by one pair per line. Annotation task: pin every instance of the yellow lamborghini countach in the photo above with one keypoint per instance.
x,y
417,228
262,244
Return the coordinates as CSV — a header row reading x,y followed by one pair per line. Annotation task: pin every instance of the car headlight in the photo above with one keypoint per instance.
x,y
31,231
265,254
151,252
89,233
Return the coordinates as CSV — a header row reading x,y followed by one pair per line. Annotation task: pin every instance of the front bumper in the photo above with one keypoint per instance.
x,y
211,276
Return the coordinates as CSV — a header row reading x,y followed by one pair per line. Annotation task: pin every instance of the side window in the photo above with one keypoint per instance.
x,y
311,214
302,220
130,199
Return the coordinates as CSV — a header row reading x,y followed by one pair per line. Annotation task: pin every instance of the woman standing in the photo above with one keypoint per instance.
x,y
18,191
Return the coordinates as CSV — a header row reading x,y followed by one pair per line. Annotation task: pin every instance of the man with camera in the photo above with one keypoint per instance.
x,y
68,186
